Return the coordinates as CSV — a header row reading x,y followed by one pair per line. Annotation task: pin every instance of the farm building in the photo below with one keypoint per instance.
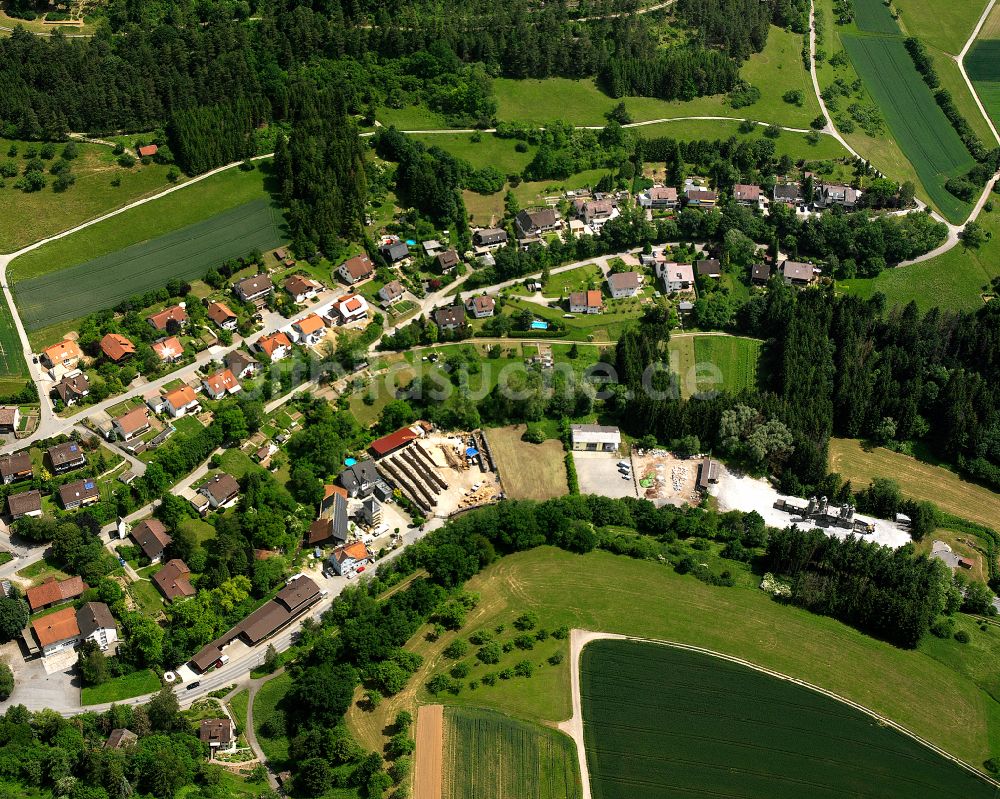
x,y
147,150
595,437
386,445
708,473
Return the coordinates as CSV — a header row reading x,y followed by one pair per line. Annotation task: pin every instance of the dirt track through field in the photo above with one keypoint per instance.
x,y
427,771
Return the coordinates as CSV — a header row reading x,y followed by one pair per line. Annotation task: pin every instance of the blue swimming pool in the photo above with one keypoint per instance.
x,y
538,325
410,242
349,461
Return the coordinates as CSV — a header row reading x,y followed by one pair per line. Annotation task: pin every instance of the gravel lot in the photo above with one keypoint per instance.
x,y
598,473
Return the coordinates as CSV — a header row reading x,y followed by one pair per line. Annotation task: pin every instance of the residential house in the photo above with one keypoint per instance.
x,y
760,274
302,288
796,273
447,261
241,363
658,198
57,631
181,401
222,315
360,479
586,301
15,467
351,308
530,224
221,384
432,247
709,267
132,424
151,536
218,734
121,738
54,592
175,313
747,194
595,437
117,348
28,503
79,494
174,580
678,277
481,306
787,193
147,150
310,329
450,318
357,268
624,284
66,456
65,354
73,387
10,418
332,529
221,491
349,558
169,350
276,346
700,198
255,289
844,196
394,252
97,624
596,212
391,292
489,239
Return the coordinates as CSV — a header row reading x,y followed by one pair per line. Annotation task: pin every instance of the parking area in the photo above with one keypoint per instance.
x,y
35,688
598,473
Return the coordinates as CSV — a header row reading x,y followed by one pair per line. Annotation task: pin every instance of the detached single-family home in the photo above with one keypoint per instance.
x,y
66,456
132,424
97,624
624,284
596,212
73,387
65,354
302,288
489,239
54,592
709,267
57,631
255,289
347,559
450,318
394,251
310,329
586,301
480,307
446,261
351,308
181,401
658,198
241,363
218,734
168,350
276,346
10,418
746,194
79,493
678,277
701,198
222,315
760,274
788,193
833,194
175,313
391,292
28,503
117,348
357,268
221,384
796,273
151,536
15,467
530,224
221,491
595,437
174,580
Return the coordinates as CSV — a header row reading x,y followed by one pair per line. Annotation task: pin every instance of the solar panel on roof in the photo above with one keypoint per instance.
x,y
72,447
89,485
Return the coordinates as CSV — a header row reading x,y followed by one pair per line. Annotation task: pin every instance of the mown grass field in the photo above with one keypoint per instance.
x,y
528,471
912,116
735,358
13,369
945,31
952,80
186,253
872,16
795,145
490,150
942,691
562,283
982,63
668,722
916,479
28,217
119,688
490,756
266,704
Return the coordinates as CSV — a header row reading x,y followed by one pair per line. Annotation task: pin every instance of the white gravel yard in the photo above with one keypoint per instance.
x,y
739,492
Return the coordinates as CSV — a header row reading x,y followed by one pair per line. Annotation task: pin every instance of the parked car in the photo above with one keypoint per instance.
x,y
193,685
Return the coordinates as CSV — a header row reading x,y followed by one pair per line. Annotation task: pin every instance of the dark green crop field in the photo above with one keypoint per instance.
x,y
185,253
663,722
982,63
872,16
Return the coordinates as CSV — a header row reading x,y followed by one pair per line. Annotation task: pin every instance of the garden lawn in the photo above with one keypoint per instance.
x,y
238,707
186,253
579,279
952,80
265,705
28,217
735,358
118,688
147,596
200,529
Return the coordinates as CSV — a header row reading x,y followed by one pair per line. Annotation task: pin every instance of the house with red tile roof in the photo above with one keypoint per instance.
x,y
276,346
221,384
117,348
175,313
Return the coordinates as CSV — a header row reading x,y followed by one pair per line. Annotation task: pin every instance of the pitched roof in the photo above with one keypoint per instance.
x,y
395,251
67,452
746,191
386,444
120,737
291,599
300,284
271,343
358,266
254,285
482,303
308,325
354,551
53,590
168,348
78,491
172,580
452,315
18,463
350,303
491,235
447,259
72,386
539,219
220,313
683,273
147,150
56,627
174,312
216,731
795,270
760,271
709,266
702,195
221,382
587,299
8,415
665,193
116,347
180,397
152,537
134,420
24,503
221,488
623,280
94,616
63,351
238,360
391,290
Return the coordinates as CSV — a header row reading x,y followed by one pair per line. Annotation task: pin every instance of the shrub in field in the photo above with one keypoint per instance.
x,y
489,653
524,641
481,637
460,670
556,659
524,669
526,621
456,649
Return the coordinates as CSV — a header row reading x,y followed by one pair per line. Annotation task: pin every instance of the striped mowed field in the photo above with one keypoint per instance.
x,y
186,253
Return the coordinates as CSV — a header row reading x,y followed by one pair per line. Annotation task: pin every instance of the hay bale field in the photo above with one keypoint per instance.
x,y
528,471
